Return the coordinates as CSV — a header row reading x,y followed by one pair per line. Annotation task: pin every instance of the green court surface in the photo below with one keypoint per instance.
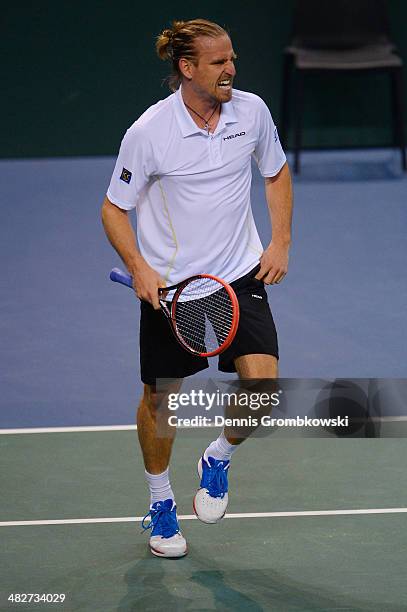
x,y
342,562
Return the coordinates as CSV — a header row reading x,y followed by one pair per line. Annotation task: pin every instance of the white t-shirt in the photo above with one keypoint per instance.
x,y
191,189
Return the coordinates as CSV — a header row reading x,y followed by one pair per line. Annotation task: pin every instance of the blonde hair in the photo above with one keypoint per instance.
x,y
179,42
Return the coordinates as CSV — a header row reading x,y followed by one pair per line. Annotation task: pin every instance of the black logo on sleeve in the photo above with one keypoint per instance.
x,y
126,175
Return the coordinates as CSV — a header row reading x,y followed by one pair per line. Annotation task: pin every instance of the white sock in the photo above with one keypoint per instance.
x,y
220,449
160,488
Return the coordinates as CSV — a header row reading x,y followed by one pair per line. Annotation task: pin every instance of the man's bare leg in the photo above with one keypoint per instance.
x,y
257,366
210,502
156,437
252,367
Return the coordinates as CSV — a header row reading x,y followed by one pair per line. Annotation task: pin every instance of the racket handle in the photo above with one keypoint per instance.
x,y
118,276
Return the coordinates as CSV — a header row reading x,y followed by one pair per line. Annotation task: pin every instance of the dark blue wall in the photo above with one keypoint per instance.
x,y
76,74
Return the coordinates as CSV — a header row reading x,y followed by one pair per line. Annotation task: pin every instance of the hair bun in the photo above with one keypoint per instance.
x,y
168,34
164,44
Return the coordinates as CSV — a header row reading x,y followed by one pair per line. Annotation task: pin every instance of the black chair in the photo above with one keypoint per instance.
x,y
339,36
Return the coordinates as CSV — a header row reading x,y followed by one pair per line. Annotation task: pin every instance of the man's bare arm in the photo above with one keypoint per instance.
x,y
274,260
119,231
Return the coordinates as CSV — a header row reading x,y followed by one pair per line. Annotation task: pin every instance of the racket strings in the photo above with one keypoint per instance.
x,y
204,315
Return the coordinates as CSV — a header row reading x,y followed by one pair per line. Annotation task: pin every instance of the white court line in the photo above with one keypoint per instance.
x,y
35,430
189,517
85,428
89,428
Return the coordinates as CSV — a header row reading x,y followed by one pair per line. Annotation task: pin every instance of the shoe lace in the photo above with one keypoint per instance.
x,y
217,483
165,518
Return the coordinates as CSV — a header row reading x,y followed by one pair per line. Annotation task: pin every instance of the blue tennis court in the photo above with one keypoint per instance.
x,y
327,519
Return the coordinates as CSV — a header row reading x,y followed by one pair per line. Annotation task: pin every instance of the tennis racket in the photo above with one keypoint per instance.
x,y
202,310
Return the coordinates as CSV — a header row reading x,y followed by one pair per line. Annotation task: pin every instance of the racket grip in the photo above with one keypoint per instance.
x,y
118,276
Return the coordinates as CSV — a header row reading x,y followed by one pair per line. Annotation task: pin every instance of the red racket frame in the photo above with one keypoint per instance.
x,y
171,314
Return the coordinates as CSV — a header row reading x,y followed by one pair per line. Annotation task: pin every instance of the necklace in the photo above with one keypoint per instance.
x,y
206,121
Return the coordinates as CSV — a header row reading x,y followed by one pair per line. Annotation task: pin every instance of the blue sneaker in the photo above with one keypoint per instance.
x,y
211,500
166,540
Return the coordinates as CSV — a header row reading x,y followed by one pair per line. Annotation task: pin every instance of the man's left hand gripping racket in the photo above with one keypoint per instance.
x,y
202,310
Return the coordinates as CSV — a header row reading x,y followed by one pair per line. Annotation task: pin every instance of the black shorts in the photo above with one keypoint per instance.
x,y
161,356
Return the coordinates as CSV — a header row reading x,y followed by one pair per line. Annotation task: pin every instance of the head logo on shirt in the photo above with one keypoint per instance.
x,y
125,175
234,136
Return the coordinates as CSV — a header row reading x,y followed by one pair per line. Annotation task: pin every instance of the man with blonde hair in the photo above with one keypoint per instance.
x,y
185,165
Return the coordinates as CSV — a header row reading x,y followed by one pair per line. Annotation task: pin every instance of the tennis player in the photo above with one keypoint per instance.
x,y
185,166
